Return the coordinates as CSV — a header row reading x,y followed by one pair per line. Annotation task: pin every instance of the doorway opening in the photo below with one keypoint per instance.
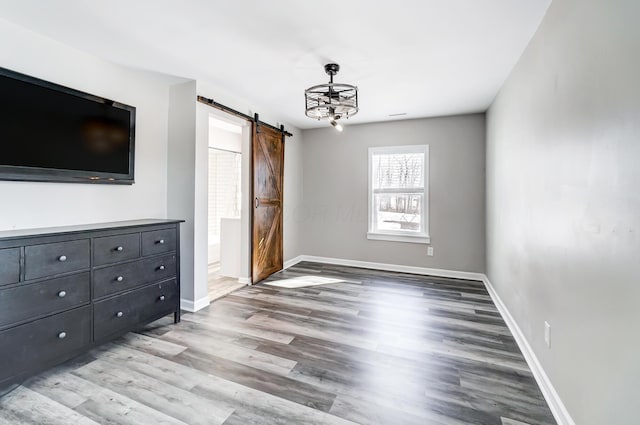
x,y
225,182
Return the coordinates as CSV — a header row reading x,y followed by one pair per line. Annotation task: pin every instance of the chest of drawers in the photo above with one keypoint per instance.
x,y
65,290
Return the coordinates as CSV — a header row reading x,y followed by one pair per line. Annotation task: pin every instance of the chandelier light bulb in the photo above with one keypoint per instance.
x,y
331,101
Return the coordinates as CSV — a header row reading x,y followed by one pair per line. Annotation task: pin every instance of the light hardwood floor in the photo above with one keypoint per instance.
x,y
219,286
315,344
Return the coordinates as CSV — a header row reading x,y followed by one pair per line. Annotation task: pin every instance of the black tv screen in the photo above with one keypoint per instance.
x,y
53,133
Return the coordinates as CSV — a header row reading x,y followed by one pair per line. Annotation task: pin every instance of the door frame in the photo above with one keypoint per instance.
x,y
246,189
247,123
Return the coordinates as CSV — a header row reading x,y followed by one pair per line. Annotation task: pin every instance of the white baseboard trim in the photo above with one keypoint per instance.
x,y
193,306
244,280
387,267
292,262
560,412
558,409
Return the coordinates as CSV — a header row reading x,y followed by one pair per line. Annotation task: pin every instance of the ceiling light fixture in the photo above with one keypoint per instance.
x,y
331,101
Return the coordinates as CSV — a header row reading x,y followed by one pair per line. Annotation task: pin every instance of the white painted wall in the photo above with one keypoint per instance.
x,y
193,164
563,209
171,161
28,205
223,139
230,239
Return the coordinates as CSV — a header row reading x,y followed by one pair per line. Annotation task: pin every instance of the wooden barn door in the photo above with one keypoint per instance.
x,y
268,176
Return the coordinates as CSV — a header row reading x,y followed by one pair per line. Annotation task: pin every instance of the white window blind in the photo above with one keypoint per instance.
x,y
224,189
398,193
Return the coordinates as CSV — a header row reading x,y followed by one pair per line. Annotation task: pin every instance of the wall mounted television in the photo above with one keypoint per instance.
x,y
52,133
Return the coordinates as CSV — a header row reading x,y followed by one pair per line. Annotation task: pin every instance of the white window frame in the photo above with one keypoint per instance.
x,y
399,235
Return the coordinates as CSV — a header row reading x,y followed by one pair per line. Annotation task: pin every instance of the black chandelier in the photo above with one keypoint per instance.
x,y
331,101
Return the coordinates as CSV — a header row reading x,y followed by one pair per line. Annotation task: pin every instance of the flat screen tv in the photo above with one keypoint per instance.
x,y
53,133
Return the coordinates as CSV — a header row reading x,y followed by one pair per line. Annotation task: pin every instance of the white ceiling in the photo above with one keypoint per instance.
x,y
422,57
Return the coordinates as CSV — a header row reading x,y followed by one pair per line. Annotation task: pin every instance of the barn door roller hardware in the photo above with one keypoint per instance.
x,y
255,119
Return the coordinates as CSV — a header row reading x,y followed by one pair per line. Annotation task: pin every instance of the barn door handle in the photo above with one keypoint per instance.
x,y
257,202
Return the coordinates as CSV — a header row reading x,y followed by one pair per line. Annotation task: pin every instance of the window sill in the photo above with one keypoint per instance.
x,y
423,239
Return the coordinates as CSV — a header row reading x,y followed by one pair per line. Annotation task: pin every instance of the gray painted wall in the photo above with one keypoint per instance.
x,y
293,178
334,214
181,176
563,206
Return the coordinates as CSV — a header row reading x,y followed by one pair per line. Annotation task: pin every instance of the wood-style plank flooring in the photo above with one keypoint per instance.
x,y
315,344
219,286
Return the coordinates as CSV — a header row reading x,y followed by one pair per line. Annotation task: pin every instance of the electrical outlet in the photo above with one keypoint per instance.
x,y
547,334
430,251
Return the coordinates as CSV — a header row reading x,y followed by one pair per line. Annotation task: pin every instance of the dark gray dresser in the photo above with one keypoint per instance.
x,y
64,290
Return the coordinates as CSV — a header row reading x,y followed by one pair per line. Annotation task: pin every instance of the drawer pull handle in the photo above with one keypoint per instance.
x,y
62,294
119,314
62,335
161,268
62,258
120,249
161,241
119,278
161,298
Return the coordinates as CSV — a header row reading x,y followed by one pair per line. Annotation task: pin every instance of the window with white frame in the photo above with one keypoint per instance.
x,y
398,193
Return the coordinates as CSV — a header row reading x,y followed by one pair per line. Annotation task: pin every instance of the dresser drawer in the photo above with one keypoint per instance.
x,y
55,258
29,301
45,342
121,277
158,241
113,249
9,266
122,313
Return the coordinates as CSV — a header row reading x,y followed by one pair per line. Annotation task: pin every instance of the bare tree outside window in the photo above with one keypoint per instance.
x,y
397,184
